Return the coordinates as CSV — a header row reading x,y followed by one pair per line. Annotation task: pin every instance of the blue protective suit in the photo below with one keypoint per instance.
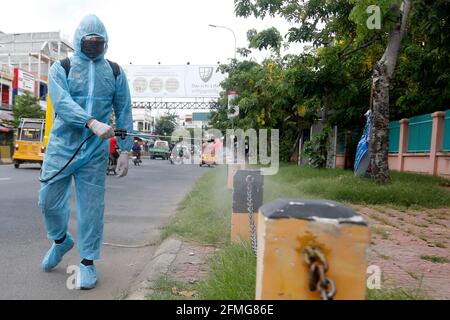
x,y
89,91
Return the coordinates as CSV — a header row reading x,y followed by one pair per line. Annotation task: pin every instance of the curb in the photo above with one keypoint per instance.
x,y
158,266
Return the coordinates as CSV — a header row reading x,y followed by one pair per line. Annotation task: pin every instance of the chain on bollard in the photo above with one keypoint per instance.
x,y
318,267
249,180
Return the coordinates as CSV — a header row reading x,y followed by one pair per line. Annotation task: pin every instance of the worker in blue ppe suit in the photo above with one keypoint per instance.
x,y
83,101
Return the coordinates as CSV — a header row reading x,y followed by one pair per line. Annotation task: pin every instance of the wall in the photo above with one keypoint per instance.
x,y
420,144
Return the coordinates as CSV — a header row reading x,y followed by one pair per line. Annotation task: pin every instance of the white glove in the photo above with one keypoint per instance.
x,y
100,129
122,165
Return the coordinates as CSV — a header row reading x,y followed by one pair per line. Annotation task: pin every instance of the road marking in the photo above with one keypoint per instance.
x,y
5,179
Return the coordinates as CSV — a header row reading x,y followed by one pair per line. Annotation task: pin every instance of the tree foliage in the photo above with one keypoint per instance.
x,y
166,124
26,106
332,77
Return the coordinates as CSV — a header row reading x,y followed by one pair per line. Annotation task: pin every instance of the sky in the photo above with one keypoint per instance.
x,y
147,32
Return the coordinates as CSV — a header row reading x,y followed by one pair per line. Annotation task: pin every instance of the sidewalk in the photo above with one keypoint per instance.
x,y
411,248
403,243
183,261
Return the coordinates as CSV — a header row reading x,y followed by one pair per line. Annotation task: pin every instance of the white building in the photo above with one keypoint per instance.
x,y
33,53
142,120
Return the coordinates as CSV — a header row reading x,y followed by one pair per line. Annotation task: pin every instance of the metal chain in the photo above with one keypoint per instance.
x,y
251,221
318,267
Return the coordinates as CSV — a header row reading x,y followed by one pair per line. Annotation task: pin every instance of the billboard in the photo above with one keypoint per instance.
x,y
172,81
23,81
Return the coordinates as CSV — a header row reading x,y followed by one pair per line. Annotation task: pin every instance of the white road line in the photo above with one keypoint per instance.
x,y
5,179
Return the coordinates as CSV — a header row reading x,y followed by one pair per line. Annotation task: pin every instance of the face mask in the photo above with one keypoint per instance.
x,y
92,46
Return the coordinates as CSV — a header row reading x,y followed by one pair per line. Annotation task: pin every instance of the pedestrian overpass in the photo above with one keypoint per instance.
x,y
176,105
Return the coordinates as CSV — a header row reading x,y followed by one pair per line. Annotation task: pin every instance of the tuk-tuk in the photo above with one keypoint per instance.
x,y
208,156
29,146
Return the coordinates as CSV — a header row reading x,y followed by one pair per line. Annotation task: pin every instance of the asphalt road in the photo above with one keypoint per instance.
x,y
136,208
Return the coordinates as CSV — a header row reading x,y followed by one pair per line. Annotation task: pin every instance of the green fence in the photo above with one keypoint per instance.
x,y
340,143
446,145
394,136
355,136
419,133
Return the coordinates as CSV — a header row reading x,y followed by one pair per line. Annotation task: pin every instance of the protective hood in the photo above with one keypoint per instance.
x,y
89,25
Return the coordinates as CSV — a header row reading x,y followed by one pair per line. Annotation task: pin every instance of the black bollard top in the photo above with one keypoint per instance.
x,y
313,210
240,191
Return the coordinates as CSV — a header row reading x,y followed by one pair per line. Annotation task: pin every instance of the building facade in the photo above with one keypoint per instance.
x,y
27,58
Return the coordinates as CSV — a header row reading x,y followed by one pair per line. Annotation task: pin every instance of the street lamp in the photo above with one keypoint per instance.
x,y
229,29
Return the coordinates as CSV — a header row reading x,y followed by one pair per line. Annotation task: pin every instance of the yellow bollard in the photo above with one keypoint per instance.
x,y
301,242
231,171
248,186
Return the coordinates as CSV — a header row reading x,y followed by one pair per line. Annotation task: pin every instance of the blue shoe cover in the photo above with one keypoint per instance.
x,y
56,253
87,278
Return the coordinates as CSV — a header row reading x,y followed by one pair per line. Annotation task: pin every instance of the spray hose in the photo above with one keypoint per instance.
x,y
122,133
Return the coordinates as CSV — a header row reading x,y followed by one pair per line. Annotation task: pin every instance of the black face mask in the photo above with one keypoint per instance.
x,y
92,46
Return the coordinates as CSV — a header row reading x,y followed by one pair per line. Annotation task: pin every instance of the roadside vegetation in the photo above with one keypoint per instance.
x,y
404,190
205,213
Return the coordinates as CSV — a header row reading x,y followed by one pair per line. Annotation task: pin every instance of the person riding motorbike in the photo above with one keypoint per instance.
x,y
137,150
113,155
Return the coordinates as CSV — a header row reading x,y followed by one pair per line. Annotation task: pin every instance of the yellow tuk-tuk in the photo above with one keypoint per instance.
x,y
29,147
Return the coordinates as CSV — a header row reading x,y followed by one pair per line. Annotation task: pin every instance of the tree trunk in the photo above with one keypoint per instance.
x,y
382,73
295,149
379,136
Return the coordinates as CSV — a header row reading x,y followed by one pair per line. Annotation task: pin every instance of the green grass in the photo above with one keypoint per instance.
x,y
380,231
440,244
162,289
232,275
435,259
405,189
396,294
204,215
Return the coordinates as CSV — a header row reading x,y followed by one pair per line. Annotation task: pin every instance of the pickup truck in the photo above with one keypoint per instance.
x,y
159,150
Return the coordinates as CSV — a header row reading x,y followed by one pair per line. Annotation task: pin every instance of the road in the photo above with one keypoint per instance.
x,y
136,208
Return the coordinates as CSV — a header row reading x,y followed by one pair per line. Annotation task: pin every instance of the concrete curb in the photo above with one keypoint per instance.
x,y
158,266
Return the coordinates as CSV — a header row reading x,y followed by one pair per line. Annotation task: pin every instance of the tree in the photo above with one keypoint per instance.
x,y
26,106
396,14
422,81
166,124
352,48
325,80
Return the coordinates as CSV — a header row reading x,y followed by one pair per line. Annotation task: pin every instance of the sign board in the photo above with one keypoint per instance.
x,y
24,81
233,110
172,81
201,116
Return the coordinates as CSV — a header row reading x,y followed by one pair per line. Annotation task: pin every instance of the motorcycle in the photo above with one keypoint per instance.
x,y
136,158
179,155
112,162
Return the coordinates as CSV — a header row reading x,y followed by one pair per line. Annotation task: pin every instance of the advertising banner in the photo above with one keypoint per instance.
x,y
233,110
23,81
172,81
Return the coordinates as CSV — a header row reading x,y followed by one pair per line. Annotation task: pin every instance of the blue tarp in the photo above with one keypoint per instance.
x,y
362,152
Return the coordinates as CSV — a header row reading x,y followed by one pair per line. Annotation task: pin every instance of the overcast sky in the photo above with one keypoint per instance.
x,y
146,31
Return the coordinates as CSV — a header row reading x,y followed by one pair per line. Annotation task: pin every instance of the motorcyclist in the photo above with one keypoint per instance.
x,y
137,150
113,154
